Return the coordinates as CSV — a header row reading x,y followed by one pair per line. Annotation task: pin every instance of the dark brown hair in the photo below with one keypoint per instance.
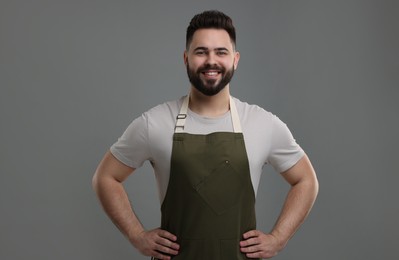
x,y
211,19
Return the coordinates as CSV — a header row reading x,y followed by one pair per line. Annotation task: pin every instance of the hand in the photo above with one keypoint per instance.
x,y
257,244
157,243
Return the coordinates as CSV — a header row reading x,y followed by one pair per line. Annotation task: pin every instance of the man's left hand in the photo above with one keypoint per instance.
x,y
257,244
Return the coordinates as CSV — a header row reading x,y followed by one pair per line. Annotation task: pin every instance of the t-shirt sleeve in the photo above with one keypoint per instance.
x,y
284,150
132,147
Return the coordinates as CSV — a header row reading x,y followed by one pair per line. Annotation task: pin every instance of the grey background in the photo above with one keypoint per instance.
x,y
73,74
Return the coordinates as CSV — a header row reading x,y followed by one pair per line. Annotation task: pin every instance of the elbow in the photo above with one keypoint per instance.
x,y
310,184
95,181
314,186
99,181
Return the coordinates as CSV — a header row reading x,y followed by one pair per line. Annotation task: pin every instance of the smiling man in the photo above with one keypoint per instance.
x,y
208,150
211,60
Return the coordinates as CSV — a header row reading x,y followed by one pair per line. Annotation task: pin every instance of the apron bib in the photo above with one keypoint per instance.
x,y
210,201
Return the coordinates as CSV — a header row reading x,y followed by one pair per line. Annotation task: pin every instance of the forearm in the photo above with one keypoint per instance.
x,y
116,204
297,206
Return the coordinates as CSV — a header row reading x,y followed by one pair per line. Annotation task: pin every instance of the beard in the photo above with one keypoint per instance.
x,y
209,87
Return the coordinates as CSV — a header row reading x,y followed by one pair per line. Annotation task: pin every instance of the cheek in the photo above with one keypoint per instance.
x,y
194,64
229,65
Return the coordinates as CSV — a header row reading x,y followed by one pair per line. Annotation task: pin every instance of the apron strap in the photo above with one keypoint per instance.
x,y
181,117
234,117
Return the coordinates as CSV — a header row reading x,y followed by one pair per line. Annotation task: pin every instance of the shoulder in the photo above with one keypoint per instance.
x,y
162,117
251,112
169,108
255,120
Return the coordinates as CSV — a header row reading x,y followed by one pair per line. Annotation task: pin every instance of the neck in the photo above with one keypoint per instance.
x,y
210,106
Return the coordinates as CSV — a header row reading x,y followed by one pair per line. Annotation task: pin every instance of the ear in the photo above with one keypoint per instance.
x,y
185,57
236,59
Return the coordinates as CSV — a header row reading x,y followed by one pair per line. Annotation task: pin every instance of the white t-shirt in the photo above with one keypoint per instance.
x,y
150,136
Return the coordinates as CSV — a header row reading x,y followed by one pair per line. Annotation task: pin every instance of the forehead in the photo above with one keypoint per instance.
x,y
211,38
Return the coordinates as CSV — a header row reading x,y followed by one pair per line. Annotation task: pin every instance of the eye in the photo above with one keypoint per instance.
x,y
221,53
200,52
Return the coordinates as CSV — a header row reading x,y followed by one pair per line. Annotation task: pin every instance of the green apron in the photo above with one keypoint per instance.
x,y
210,201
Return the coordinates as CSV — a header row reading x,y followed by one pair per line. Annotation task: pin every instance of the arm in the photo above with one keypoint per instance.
x,y
299,201
107,183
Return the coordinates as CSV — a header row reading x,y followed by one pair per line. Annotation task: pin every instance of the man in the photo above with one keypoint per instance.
x,y
207,150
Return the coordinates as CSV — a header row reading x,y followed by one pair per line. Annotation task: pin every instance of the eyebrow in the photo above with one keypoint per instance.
x,y
206,49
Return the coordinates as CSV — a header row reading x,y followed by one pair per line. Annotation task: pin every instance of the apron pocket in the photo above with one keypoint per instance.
x,y
222,189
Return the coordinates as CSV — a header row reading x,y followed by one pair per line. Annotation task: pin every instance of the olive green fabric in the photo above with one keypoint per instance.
x,y
210,201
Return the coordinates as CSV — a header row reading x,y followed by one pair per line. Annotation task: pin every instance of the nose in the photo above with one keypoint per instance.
x,y
211,58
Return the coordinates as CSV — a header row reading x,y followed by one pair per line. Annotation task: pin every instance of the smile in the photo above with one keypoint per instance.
x,y
211,73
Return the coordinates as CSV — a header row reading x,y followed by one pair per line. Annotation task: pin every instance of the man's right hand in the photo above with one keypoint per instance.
x,y
157,243
107,182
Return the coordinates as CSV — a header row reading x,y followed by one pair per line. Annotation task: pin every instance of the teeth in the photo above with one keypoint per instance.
x,y
211,73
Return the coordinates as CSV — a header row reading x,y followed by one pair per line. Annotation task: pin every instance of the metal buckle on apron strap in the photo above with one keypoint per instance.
x,y
180,122
181,116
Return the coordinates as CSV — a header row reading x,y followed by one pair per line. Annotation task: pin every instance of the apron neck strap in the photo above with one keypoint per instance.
x,y
181,117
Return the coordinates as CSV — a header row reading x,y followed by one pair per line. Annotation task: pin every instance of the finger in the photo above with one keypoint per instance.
x,y
250,249
167,246
254,255
167,235
167,243
167,239
250,242
165,250
251,233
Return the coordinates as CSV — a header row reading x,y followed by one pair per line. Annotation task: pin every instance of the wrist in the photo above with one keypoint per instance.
x,y
134,235
281,239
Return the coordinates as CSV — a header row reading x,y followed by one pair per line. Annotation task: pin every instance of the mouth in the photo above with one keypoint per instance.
x,y
211,73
